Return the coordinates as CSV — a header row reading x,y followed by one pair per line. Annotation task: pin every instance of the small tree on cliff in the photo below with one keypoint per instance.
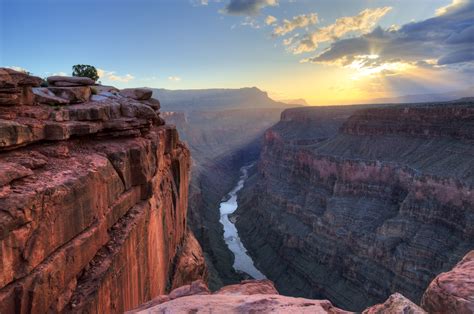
x,y
85,70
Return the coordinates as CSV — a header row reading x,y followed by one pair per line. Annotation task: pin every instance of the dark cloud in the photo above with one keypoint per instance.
x,y
447,38
248,7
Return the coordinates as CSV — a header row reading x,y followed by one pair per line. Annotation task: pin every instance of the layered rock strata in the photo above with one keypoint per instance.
x,y
93,202
381,206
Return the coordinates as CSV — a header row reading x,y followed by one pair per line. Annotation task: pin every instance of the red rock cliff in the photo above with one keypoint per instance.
x,y
93,198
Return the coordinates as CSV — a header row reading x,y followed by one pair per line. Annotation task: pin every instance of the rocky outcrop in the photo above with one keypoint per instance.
x,y
16,87
260,296
247,297
93,202
381,206
453,291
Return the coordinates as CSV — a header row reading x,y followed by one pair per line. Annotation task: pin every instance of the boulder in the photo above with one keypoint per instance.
x,y
137,93
77,94
396,303
63,81
44,96
453,291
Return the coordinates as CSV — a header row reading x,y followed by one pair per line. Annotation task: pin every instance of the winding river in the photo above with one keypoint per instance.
x,y
242,262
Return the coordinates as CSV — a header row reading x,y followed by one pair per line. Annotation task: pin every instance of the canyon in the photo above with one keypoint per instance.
x,y
352,204
223,130
105,208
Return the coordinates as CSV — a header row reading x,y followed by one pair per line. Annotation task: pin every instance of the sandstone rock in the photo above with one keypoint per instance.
x,y
153,103
236,303
137,93
198,287
191,263
452,291
10,78
12,171
106,89
15,134
396,303
44,96
249,287
15,87
71,80
76,94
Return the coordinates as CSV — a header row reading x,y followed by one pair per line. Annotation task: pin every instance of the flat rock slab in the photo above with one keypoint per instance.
x,y
77,94
72,80
137,93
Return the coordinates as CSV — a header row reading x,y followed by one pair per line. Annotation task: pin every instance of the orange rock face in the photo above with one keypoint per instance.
x,y
453,291
93,202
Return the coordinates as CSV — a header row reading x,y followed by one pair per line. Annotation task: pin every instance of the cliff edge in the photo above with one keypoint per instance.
x,y
93,198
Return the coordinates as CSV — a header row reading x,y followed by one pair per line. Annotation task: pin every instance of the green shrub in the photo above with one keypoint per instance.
x,y
85,70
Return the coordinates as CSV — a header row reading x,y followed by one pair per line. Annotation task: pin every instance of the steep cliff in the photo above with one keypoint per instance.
x,y
381,206
93,198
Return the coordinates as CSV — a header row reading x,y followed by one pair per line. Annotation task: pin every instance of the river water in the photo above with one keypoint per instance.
x,y
242,262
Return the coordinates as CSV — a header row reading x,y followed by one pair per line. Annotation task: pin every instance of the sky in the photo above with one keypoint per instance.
x,y
325,51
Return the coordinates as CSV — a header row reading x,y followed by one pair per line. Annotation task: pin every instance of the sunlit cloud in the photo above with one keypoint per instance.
x,y
17,68
174,78
269,20
365,21
300,21
111,76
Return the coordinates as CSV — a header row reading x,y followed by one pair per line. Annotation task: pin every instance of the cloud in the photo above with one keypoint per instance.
x,y
299,21
111,76
361,23
251,22
17,68
445,39
269,20
174,78
248,7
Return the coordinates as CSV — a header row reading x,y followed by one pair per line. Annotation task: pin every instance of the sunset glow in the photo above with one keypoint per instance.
x,y
327,52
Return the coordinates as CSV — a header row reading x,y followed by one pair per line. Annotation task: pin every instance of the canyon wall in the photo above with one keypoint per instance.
x,y
356,208
93,198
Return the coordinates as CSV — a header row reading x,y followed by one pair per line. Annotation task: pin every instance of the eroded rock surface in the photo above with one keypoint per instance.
x,y
93,201
453,291
260,296
382,205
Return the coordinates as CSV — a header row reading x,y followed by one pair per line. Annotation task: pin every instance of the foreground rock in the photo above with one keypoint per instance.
x,y
395,304
93,200
453,291
248,297
260,296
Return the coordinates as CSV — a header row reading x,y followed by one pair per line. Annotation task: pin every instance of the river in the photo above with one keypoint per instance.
x,y
242,262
